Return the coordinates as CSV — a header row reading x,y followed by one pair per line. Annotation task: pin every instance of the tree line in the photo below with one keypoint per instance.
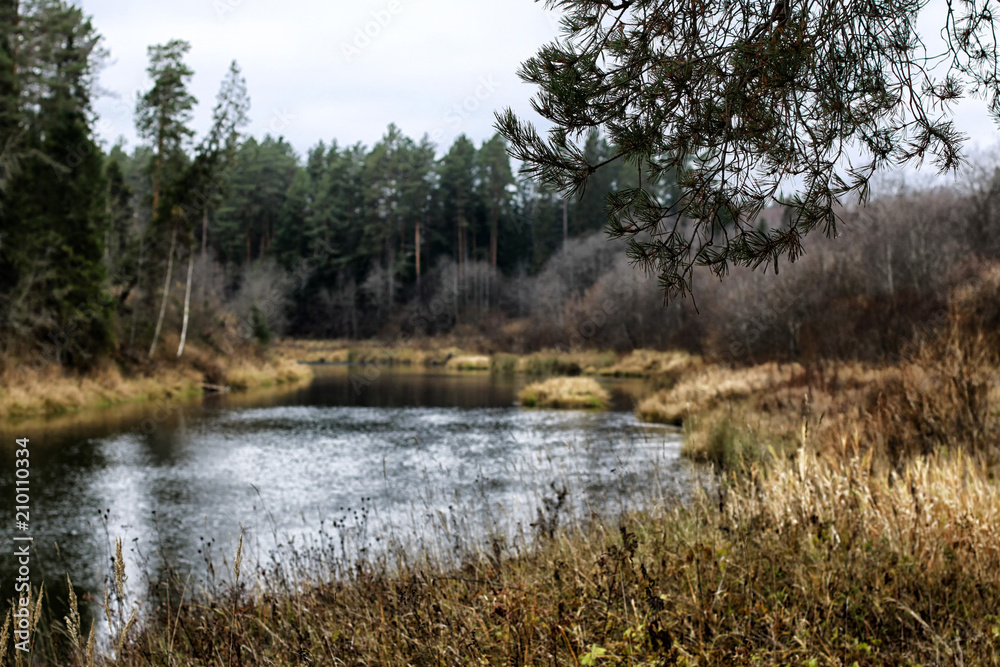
x,y
223,238
116,250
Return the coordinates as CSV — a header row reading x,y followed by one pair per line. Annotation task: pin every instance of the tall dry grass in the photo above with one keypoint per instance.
x,y
47,390
831,559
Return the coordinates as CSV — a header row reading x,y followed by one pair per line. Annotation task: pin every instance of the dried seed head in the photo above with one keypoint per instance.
x,y
73,620
107,605
124,633
37,616
120,577
239,556
91,641
5,634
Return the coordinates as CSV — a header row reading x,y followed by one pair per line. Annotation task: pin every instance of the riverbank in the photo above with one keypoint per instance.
x,y
475,355
44,390
47,390
855,520
807,560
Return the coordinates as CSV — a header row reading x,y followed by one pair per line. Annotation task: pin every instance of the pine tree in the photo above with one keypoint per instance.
x,y
457,186
55,210
493,166
740,101
164,112
162,115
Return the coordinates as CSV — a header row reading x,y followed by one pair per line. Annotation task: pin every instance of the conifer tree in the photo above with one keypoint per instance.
x,y
494,178
740,102
162,117
54,211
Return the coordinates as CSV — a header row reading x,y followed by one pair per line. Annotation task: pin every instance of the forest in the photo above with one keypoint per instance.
x,y
227,238
104,250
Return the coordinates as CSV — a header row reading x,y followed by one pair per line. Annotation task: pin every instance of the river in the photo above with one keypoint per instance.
x,y
362,457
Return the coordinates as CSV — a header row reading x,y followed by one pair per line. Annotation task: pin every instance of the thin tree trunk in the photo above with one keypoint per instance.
x,y
138,277
166,290
888,266
204,254
187,304
416,245
158,169
494,241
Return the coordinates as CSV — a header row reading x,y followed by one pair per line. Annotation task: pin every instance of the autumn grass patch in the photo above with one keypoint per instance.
x,y
251,373
28,391
47,391
565,392
469,362
653,363
808,559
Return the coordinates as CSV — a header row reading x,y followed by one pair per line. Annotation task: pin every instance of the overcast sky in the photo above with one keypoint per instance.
x,y
318,69
326,69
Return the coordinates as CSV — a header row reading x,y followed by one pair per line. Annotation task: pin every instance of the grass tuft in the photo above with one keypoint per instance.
x,y
567,393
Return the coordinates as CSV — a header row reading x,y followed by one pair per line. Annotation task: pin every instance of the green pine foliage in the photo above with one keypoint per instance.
x,y
96,247
55,209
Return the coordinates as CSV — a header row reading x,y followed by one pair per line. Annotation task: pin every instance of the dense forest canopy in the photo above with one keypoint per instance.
x,y
226,238
95,244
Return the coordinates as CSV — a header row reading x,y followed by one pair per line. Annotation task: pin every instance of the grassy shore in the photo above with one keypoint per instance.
x,y
45,390
807,560
476,355
854,520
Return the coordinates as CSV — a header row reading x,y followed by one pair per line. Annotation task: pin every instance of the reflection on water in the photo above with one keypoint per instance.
x,y
417,447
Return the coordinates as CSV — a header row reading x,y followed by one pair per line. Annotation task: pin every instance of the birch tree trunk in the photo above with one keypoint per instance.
x,y
187,304
166,290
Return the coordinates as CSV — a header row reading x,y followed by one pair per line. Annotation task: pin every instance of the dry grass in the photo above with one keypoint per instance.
x,y
251,373
943,394
30,392
653,363
424,352
812,560
569,393
48,391
470,356
469,362
712,385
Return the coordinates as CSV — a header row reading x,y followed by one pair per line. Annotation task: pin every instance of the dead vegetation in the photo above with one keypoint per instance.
x,y
47,390
566,393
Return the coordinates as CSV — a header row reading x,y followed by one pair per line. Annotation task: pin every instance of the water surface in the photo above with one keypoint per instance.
x,y
363,454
